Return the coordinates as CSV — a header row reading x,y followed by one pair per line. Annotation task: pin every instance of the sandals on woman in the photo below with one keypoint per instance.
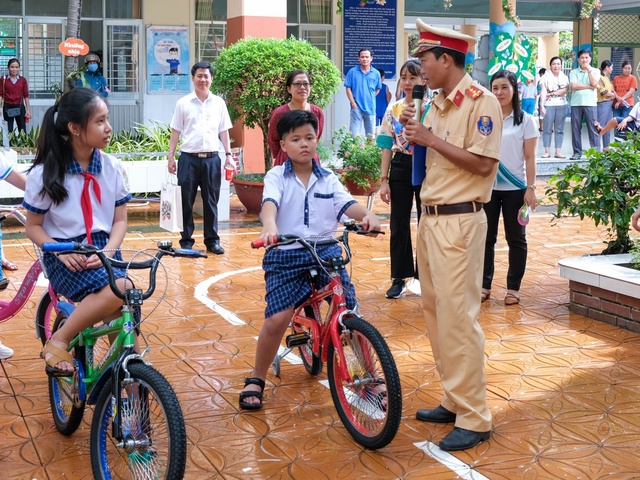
x,y
252,393
512,297
8,265
57,356
484,296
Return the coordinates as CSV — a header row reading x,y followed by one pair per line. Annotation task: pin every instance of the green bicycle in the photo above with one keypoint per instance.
x,y
137,430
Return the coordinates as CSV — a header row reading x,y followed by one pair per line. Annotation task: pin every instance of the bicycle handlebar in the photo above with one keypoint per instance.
x,y
164,248
288,239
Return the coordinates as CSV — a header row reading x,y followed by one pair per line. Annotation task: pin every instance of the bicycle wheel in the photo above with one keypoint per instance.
x,y
155,440
312,363
45,317
361,402
66,408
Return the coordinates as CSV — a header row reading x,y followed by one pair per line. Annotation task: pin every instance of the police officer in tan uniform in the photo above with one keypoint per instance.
x,y
462,132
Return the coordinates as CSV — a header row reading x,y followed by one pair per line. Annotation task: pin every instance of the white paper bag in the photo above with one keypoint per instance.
x,y
171,207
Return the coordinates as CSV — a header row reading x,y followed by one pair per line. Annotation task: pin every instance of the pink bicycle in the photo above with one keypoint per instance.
x,y
50,305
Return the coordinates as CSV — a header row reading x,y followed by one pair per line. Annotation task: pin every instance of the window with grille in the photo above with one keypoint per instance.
x,y
10,41
44,60
122,58
210,39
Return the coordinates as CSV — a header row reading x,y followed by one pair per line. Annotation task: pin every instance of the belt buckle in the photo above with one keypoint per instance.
x,y
202,155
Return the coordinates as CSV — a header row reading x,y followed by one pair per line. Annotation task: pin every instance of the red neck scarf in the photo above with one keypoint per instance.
x,y
85,202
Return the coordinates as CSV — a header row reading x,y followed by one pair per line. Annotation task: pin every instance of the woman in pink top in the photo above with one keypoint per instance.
x,y
298,85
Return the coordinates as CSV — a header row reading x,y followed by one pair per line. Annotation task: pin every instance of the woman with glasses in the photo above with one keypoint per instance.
x,y
298,87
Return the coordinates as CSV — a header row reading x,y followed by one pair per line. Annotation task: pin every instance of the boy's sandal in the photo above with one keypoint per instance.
x,y
484,296
252,393
4,283
512,298
8,265
57,356
380,396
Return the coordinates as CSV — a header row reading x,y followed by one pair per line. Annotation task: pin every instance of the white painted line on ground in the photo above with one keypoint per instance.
x,y
202,289
458,467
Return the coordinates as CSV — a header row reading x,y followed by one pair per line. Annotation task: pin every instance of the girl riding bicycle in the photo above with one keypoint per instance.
x,y
300,198
69,169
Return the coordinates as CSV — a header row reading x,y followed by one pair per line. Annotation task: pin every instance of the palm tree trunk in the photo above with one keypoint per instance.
x,y
74,14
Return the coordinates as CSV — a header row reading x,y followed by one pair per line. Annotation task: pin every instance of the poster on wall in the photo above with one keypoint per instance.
x,y
168,60
370,24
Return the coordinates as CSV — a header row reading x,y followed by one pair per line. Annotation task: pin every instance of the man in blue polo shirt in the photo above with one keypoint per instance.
x,y
363,83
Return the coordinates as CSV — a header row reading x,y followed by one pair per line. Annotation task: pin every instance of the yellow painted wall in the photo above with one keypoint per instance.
x,y
172,13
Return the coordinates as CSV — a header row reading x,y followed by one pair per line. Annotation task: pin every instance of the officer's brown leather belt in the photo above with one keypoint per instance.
x,y
453,209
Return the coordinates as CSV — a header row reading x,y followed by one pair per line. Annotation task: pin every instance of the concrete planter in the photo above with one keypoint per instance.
x,y
602,288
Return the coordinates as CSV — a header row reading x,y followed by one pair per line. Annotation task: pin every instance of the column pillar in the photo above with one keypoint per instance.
x,y
259,19
548,47
582,38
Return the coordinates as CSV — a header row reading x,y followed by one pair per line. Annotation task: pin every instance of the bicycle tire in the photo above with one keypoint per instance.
x,y
157,449
45,317
67,410
371,364
312,363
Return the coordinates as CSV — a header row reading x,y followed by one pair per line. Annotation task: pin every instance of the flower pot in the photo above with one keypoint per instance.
x,y
249,194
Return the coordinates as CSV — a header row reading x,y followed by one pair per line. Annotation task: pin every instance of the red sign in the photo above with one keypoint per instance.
x,y
73,47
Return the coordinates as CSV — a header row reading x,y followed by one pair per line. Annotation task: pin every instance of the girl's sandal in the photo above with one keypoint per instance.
x,y
56,356
252,393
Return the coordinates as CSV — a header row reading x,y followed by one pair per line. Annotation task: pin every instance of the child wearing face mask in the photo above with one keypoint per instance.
x,y
92,78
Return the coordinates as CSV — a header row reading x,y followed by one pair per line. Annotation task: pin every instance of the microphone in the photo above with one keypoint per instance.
x,y
417,94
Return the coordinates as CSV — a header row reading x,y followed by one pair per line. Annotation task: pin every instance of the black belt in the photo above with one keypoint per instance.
x,y
202,154
453,209
402,156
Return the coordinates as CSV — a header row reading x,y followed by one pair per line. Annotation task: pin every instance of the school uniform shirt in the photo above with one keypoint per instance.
x,y
306,212
200,123
512,150
5,166
65,220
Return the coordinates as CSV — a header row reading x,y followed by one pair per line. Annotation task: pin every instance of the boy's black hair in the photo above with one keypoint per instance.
x,y
294,119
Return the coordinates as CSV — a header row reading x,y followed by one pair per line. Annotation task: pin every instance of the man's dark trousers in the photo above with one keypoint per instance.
x,y
194,172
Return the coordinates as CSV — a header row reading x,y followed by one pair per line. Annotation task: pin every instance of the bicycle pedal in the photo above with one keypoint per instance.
x,y
297,339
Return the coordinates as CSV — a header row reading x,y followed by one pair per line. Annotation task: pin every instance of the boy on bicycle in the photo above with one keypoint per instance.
x,y
301,198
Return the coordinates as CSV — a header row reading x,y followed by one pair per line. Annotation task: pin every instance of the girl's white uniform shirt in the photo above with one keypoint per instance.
x,y
65,220
512,148
5,166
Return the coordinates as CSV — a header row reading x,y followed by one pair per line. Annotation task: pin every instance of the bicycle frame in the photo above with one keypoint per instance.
x,y
329,328
10,309
91,375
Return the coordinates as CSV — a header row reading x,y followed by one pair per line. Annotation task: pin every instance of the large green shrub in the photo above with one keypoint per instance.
x,y
250,75
604,189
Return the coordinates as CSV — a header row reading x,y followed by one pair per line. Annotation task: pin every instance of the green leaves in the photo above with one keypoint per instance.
x,y
361,157
605,189
250,75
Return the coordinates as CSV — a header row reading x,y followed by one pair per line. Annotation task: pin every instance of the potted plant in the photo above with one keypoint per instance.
x,y
361,160
250,75
605,189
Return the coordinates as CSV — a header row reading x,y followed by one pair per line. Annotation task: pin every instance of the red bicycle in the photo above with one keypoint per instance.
x,y
363,378
50,304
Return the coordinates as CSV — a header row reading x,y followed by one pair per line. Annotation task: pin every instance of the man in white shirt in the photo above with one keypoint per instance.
x,y
200,118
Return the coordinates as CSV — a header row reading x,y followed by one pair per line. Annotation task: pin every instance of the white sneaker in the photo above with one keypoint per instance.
x,y
5,352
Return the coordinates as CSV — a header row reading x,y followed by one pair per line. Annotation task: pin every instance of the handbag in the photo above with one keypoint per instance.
x,y
171,206
13,112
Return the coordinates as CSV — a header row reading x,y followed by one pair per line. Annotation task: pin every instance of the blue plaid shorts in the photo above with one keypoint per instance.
x,y
286,279
77,285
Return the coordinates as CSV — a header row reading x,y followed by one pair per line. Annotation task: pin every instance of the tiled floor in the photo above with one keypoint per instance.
x,y
564,390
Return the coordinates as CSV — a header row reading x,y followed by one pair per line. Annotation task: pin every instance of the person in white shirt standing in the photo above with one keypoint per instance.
x,y
202,120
